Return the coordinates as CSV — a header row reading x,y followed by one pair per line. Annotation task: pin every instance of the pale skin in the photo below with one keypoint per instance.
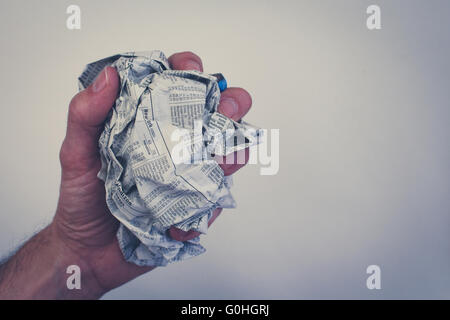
x,y
83,231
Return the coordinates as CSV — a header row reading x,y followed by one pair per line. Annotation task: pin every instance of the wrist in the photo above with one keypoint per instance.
x,y
72,264
39,271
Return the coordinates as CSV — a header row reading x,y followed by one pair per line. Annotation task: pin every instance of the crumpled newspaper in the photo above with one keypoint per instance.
x,y
157,152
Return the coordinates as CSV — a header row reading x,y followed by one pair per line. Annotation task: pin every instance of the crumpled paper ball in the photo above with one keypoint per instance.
x,y
157,152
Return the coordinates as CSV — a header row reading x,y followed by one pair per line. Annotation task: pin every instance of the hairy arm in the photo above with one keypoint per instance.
x,y
38,271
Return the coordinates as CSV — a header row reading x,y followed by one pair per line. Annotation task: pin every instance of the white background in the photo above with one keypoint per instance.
x,y
364,138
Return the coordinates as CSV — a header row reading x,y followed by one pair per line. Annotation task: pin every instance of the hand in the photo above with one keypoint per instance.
x,y
83,222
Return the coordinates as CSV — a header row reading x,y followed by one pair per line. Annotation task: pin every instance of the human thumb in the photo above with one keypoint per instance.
x,y
87,113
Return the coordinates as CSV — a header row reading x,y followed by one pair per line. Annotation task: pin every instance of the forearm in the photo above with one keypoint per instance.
x,y
38,271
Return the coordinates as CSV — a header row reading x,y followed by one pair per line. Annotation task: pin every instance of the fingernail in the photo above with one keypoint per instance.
x,y
228,107
101,81
192,65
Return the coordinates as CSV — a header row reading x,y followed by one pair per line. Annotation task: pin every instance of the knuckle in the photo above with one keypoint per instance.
x,y
75,108
182,60
190,55
74,163
68,158
245,97
241,95
248,97
65,155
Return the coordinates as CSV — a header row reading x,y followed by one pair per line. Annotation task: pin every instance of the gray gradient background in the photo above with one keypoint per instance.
x,y
364,127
